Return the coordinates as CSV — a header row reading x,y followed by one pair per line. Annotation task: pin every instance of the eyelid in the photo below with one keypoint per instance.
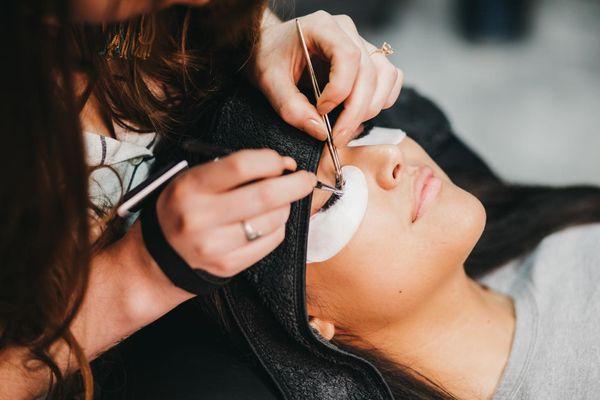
x,y
333,198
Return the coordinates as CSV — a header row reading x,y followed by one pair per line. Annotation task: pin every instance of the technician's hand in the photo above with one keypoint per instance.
x,y
366,83
201,212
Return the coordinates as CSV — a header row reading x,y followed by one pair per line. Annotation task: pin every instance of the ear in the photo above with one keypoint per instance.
x,y
325,328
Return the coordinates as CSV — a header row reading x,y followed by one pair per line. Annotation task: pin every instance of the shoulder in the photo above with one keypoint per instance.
x,y
577,236
562,274
568,257
564,281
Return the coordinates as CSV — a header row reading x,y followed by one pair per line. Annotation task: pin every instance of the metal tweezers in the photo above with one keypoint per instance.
x,y
339,178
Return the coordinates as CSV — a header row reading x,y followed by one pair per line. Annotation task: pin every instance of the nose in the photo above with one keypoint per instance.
x,y
386,163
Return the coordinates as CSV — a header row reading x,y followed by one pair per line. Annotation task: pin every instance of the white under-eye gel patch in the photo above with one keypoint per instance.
x,y
331,230
379,135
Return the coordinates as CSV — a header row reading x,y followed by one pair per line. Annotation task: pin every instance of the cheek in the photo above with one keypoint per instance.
x,y
358,284
190,2
374,283
453,225
111,10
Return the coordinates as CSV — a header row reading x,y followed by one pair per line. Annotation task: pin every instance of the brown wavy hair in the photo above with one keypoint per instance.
x,y
43,204
44,207
195,52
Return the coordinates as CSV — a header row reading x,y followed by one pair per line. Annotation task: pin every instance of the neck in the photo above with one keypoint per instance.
x,y
461,337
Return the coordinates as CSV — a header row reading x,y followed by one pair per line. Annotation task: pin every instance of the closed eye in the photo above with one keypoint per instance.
x,y
330,202
335,197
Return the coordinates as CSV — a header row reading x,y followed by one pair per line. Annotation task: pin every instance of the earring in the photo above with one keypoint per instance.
x,y
326,329
132,39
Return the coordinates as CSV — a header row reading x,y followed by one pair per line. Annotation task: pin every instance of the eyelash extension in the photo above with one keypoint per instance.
x,y
330,202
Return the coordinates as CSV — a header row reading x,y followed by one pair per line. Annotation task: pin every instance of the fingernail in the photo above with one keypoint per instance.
x,y
290,163
317,128
326,107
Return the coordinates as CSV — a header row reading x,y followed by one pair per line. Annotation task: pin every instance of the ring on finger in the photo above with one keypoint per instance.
x,y
250,232
386,49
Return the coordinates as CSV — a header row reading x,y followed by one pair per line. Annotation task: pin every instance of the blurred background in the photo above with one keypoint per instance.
x,y
520,80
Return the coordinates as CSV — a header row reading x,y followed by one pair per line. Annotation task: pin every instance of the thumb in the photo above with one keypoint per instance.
x,y
293,106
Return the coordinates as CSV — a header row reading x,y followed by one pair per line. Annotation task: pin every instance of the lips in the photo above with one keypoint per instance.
x,y
426,188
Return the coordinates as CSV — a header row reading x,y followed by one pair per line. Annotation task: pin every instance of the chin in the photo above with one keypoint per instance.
x,y
473,221
463,218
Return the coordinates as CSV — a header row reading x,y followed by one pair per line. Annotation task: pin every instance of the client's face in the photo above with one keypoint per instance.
x,y
415,233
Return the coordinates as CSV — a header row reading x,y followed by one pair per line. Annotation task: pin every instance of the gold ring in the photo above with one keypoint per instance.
x,y
386,49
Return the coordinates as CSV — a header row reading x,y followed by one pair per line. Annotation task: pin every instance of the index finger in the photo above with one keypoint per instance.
x,y
264,196
239,168
343,55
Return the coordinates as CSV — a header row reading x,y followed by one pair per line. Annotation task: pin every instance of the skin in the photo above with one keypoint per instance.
x,y
416,303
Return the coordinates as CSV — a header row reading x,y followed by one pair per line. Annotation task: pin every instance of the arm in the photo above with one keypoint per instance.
x,y
126,291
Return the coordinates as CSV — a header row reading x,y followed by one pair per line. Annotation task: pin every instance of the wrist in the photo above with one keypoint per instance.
x,y
126,291
147,292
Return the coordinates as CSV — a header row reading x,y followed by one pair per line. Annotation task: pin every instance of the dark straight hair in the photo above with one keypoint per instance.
x,y
44,248
521,216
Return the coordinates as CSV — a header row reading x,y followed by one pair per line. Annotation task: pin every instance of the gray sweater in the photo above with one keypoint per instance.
x,y
556,347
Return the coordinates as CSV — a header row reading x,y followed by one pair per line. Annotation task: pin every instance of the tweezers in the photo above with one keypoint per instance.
x,y
328,188
339,178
